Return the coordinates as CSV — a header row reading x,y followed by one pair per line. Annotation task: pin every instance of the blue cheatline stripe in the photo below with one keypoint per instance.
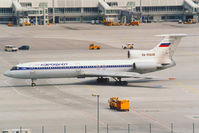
x,y
165,43
73,67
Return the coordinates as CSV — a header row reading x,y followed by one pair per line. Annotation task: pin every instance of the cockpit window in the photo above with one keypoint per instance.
x,y
14,68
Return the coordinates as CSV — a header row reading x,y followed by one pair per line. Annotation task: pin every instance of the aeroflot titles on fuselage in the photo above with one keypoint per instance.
x,y
55,64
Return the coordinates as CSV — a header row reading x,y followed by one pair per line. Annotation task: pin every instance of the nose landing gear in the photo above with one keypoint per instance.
x,y
33,84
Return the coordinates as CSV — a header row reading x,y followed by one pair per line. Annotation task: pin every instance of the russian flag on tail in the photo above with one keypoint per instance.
x,y
165,44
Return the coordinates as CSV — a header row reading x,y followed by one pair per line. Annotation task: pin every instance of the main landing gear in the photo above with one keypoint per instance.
x,y
33,84
118,81
102,80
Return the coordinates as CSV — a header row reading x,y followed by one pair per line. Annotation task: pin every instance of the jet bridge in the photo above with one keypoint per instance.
x,y
191,6
109,13
34,15
191,10
16,6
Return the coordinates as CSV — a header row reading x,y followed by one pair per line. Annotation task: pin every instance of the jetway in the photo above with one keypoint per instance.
x,y
17,6
191,6
191,10
33,15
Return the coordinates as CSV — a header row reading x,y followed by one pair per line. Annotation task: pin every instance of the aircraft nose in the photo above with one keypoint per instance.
x,y
8,74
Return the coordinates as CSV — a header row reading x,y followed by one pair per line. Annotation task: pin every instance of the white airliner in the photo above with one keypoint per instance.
x,y
139,62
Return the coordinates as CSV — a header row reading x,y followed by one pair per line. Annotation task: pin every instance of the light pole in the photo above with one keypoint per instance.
x,y
97,95
53,5
141,10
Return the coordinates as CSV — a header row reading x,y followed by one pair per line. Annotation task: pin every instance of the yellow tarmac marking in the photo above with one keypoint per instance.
x,y
92,89
188,87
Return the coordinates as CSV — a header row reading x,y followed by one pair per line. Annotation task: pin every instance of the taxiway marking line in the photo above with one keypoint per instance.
x,y
77,109
188,87
18,92
151,118
6,82
22,94
92,89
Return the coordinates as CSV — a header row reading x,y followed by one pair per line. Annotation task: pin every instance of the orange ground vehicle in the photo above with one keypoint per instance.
x,y
110,23
133,23
117,24
120,105
27,24
137,23
190,21
10,24
92,46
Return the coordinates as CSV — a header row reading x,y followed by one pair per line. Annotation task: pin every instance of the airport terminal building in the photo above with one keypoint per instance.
x,y
63,11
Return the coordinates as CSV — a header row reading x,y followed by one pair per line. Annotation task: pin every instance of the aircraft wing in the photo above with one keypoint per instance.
x,y
114,74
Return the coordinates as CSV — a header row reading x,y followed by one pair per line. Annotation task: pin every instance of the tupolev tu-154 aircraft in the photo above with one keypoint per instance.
x,y
139,62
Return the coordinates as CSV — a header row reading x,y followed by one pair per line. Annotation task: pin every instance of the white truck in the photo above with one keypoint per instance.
x,y
10,48
128,46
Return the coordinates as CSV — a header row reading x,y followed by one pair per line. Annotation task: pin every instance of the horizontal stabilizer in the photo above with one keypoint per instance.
x,y
173,35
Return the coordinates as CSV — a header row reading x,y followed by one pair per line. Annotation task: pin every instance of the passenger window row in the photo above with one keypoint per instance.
x,y
69,67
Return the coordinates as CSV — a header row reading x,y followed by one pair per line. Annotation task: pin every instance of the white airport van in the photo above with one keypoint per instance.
x,y
11,48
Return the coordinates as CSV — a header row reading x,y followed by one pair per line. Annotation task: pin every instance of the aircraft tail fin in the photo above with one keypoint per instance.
x,y
167,47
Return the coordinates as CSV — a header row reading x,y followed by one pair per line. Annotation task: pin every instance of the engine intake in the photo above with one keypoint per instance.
x,y
144,67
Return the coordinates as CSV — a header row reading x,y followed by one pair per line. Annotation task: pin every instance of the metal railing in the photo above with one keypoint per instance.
x,y
130,128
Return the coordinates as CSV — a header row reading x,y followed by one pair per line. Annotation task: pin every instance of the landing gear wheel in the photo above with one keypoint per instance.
x,y
126,83
116,83
106,80
33,84
102,80
122,83
98,81
119,82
